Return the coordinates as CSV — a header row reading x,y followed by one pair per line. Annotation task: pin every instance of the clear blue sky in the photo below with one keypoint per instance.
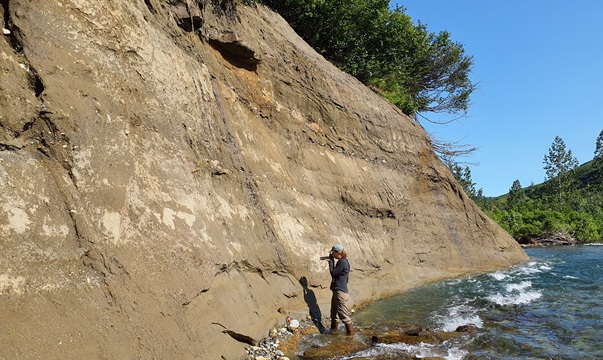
x,y
539,66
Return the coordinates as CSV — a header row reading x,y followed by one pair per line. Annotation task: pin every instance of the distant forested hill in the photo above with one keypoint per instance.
x,y
570,207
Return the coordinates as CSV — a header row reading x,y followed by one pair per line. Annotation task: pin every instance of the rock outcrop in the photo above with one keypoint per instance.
x,y
559,238
169,170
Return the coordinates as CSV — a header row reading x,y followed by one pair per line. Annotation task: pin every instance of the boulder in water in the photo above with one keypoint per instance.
x,y
466,328
409,337
335,349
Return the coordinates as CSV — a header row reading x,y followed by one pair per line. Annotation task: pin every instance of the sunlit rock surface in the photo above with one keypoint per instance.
x,y
169,171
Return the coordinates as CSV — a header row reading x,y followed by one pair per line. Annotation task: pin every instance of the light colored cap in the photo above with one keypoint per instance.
x,y
338,248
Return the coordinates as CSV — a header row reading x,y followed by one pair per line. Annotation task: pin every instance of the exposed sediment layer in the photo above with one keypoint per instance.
x,y
169,171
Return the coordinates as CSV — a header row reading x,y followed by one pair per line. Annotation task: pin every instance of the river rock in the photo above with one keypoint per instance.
x,y
466,328
411,337
335,350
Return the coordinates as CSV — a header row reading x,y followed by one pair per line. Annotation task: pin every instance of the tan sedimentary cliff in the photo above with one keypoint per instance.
x,y
170,170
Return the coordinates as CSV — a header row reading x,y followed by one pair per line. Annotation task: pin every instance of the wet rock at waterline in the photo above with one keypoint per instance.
x,y
312,345
347,346
413,337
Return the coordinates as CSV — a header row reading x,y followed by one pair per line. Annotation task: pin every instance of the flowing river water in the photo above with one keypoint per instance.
x,y
550,307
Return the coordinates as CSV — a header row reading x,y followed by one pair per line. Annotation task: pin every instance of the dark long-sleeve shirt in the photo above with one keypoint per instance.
x,y
339,274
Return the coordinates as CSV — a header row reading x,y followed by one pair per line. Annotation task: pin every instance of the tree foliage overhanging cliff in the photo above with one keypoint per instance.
x,y
416,70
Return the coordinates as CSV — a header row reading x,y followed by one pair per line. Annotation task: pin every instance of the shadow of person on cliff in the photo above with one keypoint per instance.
x,y
313,307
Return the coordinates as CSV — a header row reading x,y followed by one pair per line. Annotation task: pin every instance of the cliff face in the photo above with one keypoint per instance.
x,y
170,170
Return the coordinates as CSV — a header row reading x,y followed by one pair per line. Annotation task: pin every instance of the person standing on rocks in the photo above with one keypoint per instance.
x,y
339,286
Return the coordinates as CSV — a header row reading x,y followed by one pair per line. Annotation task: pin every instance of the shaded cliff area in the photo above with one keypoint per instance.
x,y
169,170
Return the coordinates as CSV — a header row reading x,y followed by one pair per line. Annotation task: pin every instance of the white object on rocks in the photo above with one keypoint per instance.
x,y
5,31
293,324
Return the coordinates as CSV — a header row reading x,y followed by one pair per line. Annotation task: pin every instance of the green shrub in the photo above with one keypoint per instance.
x,y
417,70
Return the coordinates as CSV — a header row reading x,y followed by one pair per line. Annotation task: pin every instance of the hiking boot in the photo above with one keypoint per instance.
x,y
349,329
334,325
